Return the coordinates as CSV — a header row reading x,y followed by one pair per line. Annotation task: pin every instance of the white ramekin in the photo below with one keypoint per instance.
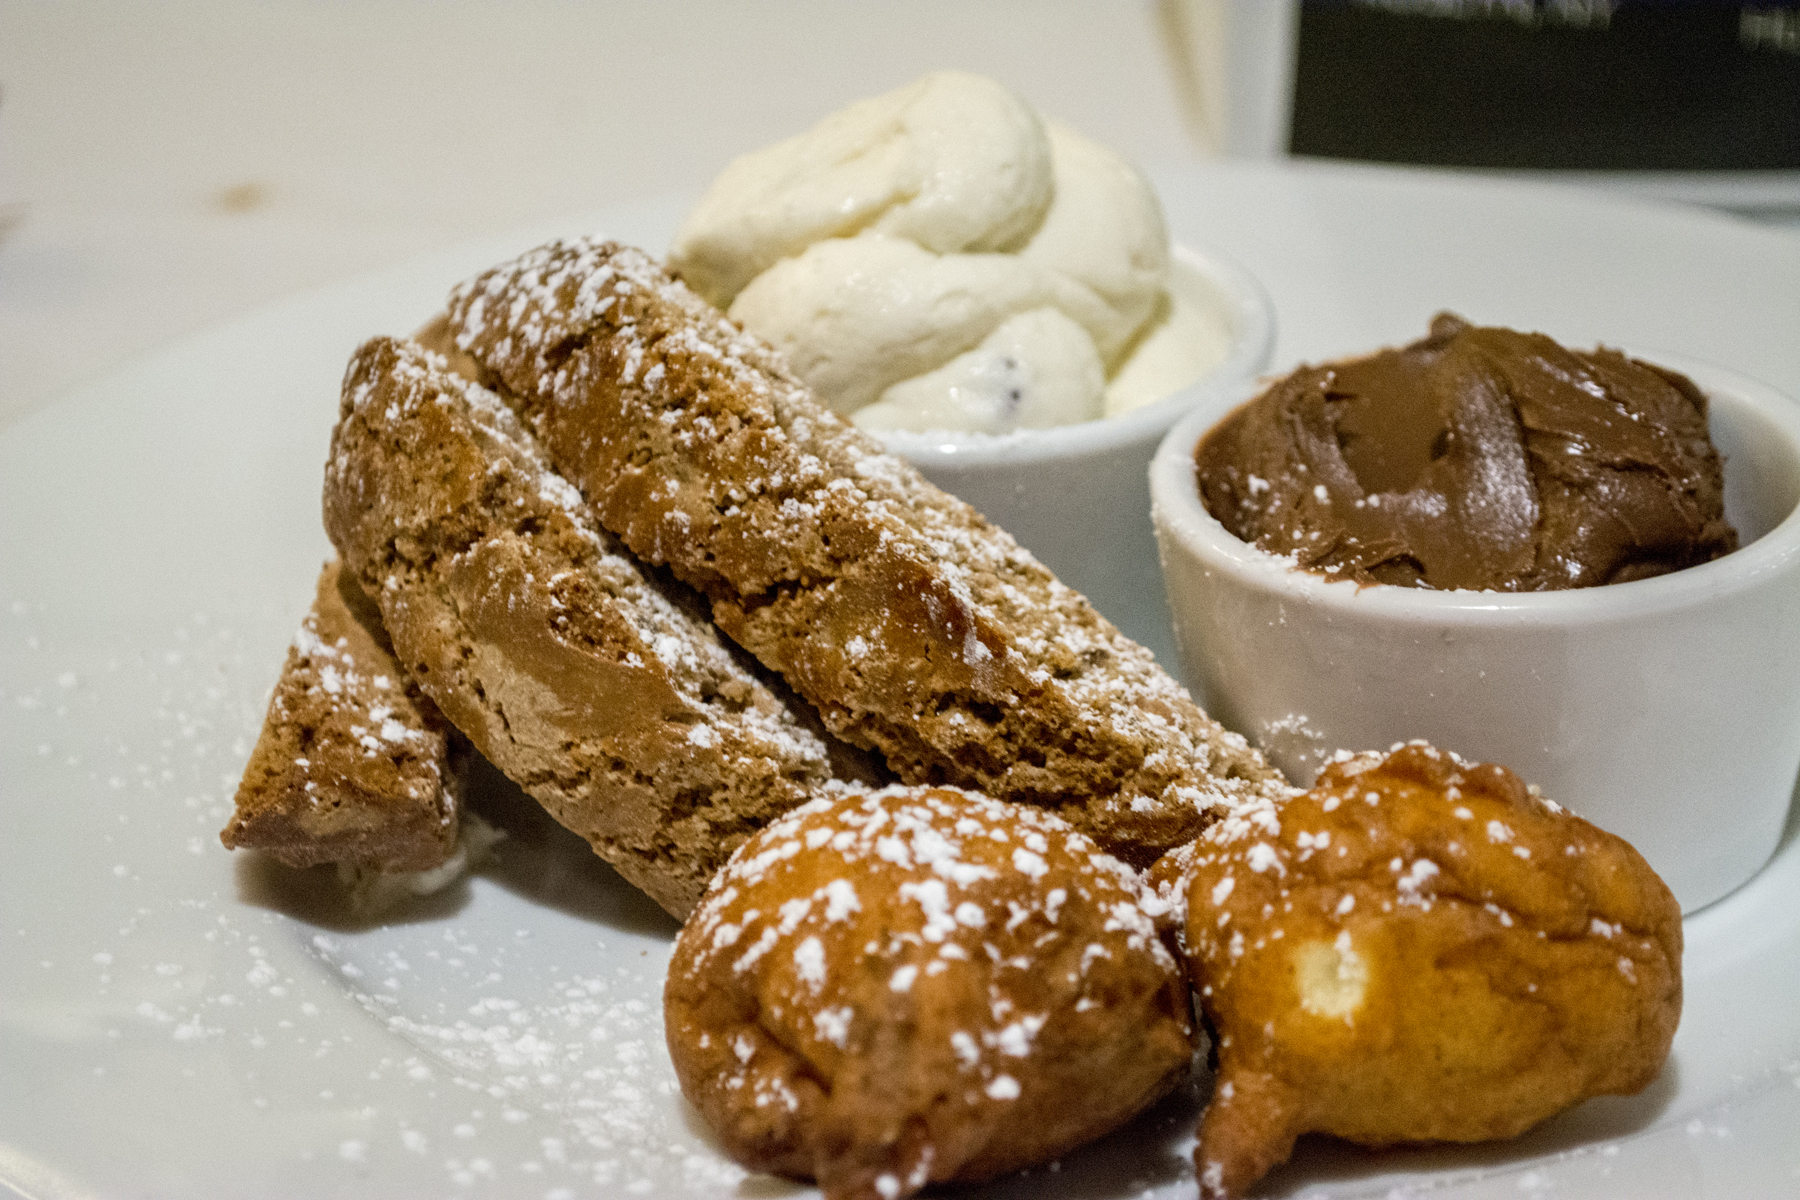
x,y
1075,495
1666,710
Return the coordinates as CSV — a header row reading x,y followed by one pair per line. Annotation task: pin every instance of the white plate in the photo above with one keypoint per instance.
x,y
175,1020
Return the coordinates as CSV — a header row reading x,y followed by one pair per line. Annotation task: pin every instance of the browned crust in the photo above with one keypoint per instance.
x,y
918,628
602,691
833,1021
1417,949
353,765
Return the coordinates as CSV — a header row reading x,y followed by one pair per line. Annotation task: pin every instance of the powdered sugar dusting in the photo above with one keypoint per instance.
x,y
483,1043
1027,643
740,718
945,923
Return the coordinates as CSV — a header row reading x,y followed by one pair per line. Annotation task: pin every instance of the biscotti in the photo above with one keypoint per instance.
x,y
353,765
915,626
601,690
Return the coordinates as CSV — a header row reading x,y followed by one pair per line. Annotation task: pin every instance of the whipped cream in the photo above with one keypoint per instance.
x,y
941,258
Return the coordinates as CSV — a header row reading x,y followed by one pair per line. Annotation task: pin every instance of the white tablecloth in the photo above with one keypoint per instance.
x,y
164,167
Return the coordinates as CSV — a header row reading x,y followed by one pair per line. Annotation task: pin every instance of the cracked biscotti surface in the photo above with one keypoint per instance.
x,y
353,764
601,690
918,628
914,985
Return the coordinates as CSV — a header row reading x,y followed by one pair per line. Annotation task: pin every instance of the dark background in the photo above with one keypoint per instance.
x,y
1670,85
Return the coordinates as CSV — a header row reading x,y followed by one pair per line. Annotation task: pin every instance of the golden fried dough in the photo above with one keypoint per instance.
x,y
886,989
1418,949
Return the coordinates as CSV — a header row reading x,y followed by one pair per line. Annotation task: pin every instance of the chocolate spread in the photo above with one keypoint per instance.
x,y
1478,458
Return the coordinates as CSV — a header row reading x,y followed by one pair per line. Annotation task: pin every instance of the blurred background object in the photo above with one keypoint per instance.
x,y
166,167
1693,100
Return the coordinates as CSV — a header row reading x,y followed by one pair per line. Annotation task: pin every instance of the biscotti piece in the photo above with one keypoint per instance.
x,y
353,765
602,691
917,627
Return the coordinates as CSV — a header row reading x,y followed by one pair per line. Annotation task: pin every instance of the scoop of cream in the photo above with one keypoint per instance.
x,y
940,257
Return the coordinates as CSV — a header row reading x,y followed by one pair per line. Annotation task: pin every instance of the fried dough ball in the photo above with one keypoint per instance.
x,y
1417,949
887,989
